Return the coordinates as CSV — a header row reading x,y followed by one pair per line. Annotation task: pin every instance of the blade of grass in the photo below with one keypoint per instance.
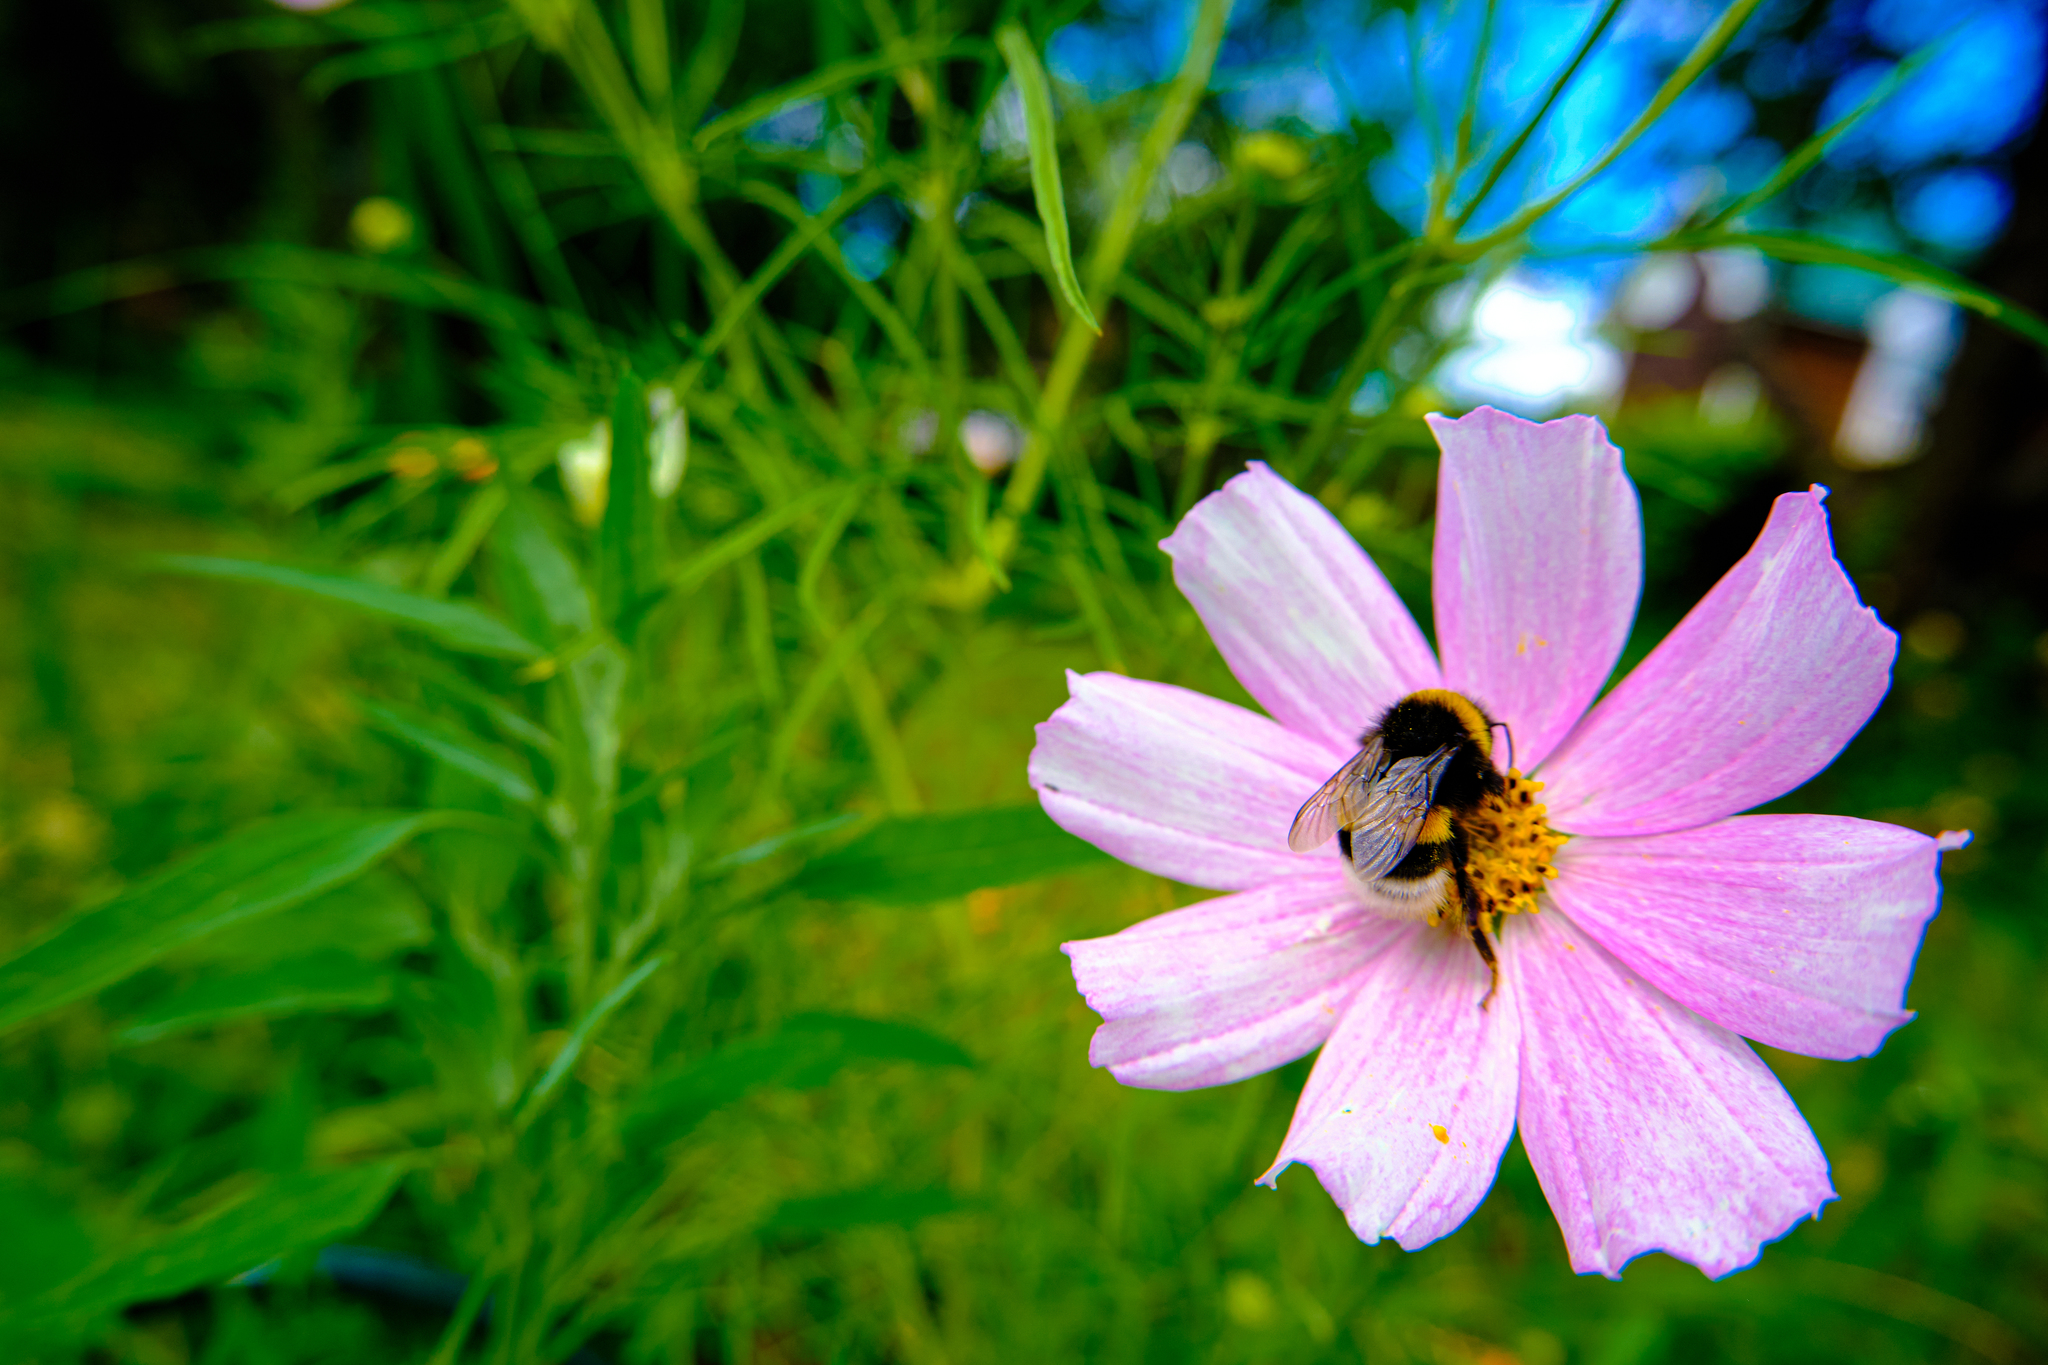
x,y
746,538
1550,97
717,43
258,871
1105,262
460,751
1704,54
1418,86
829,80
279,263
1162,312
1809,152
809,697
1041,136
819,556
647,40
579,1038
472,525
458,625
1468,118
1009,346
1805,248
412,54
1092,611
899,332
521,203
737,309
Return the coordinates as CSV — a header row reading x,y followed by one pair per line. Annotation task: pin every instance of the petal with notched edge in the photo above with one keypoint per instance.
x,y
1650,1128
1412,1101
1538,565
1796,930
1300,613
1757,690
1179,783
1226,988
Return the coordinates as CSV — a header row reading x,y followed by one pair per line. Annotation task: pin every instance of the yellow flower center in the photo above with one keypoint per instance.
x,y
1509,848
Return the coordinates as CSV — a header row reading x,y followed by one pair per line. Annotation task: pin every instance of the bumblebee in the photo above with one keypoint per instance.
x,y
1404,811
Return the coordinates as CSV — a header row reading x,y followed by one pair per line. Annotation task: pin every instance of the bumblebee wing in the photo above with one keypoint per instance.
x,y
1390,818
1338,801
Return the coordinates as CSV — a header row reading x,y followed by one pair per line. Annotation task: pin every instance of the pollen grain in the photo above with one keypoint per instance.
x,y
1512,845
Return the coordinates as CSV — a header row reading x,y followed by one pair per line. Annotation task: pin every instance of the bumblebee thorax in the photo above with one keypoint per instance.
x,y
1422,722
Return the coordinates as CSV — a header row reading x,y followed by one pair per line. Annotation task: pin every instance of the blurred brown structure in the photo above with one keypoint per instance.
x,y
1979,527
1804,369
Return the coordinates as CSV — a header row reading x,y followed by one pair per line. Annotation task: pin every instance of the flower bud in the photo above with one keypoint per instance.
x,y
586,465
668,441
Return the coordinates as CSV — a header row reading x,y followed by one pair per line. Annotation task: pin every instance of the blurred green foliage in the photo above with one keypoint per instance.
x,y
621,898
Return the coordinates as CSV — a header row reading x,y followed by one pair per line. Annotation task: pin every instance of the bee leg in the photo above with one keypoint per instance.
x,y
1475,926
1485,947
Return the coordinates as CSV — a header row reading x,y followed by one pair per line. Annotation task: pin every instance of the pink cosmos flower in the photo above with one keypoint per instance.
x,y
1669,927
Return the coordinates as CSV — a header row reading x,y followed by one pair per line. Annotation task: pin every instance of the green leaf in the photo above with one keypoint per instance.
x,y
372,917
819,556
466,1035
1808,153
479,515
457,625
826,80
1806,248
579,1038
1045,165
877,1040
255,872
1706,50
749,536
858,1208
332,980
487,763
806,1052
412,54
281,263
629,548
930,857
538,580
47,1241
777,843
507,720
279,1216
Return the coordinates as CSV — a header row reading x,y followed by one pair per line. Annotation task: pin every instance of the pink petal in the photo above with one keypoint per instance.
x,y
1178,783
1757,690
1226,988
1539,562
1650,1128
1412,1101
1796,930
1301,614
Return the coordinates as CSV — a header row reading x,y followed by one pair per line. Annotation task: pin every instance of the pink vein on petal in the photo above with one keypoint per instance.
x,y
1757,690
1178,783
1650,1128
1300,613
1538,565
1227,988
1412,1100
1796,930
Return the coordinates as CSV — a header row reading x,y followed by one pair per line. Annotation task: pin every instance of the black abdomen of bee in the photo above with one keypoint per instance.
x,y
1428,857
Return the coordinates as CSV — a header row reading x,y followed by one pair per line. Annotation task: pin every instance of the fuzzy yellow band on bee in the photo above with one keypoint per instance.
x,y
1426,824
